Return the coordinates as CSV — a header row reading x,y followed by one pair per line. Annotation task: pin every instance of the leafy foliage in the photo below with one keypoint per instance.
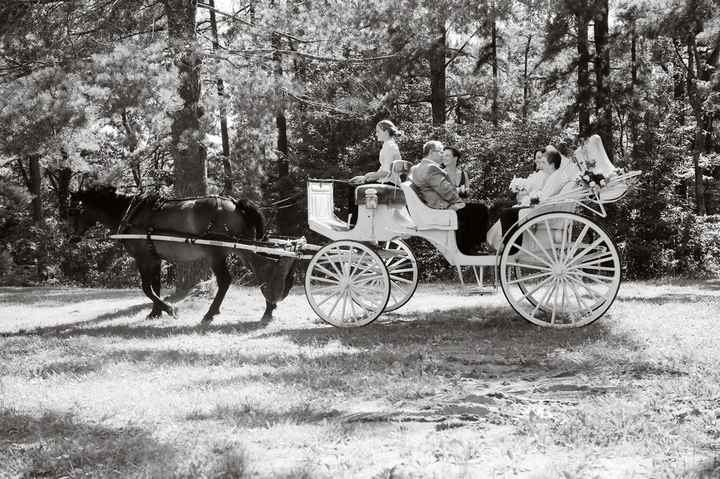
x,y
91,88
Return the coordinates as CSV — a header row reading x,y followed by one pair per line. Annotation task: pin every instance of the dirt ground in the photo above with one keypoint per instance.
x,y
451,385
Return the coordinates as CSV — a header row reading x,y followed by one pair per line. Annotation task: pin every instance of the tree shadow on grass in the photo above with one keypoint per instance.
x,y
62,296
58,445
467,342
68,328
147,329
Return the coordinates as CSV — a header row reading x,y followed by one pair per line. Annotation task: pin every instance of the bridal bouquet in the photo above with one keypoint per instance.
x,y
518,184
592,180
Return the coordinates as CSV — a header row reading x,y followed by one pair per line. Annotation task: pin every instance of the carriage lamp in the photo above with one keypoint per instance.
x,y
371,198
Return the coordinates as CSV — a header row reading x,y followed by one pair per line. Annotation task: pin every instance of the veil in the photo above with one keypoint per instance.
x,y
591,156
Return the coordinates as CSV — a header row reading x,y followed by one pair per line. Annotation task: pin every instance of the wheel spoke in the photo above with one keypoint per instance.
x,y
323,280
598,278
594,295
400,279
578,298
529,266
523,249
554,303
333,263
335,305
542,283
394,286
545,298
596,260
552,240
354,266
344,305
328,298
404,270
529,278
327,272
367,306
577,242
537,242
585,251
324,289
563,243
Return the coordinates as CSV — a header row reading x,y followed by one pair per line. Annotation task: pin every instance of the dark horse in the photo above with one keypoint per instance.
x,y
212,217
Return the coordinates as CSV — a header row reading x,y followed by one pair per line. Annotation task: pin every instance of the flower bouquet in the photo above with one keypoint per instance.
x,y
518,184
593,181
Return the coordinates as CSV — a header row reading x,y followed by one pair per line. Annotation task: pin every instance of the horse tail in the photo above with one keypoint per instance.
x,y
253,215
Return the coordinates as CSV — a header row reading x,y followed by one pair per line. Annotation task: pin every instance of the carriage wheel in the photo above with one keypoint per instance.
x,y
347,284
403,270
565,272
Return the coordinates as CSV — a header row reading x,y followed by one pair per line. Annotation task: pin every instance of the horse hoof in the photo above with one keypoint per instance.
x,y
171,312
266,318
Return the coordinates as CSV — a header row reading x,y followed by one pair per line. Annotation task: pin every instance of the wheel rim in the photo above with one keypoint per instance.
x,y
565,272
403,271
347,284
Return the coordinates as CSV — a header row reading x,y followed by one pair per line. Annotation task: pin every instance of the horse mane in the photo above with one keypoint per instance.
x,y
254,216
104,198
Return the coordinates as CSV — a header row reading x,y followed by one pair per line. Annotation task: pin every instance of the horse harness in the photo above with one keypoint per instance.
x,y
140,199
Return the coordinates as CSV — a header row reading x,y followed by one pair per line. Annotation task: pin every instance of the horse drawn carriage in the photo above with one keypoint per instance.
x,y
557,267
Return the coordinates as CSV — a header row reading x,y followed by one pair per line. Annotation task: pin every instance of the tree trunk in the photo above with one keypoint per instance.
x,y
635,106
285,218
699,143
493,46
227,167
63,176
584,92
189,156
438,96
526,80
35,188
603,107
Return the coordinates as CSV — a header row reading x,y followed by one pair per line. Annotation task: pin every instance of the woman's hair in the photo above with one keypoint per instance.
x,y
554,157
387,125
456,153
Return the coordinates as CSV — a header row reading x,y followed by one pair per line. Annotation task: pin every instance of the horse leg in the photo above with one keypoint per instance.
x,y
149,274
269,308
223,277
156,285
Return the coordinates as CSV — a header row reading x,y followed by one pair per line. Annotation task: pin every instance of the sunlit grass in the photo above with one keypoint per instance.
x,y
452,385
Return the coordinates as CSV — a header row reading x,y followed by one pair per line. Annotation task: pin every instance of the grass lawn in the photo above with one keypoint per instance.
x,y
451,386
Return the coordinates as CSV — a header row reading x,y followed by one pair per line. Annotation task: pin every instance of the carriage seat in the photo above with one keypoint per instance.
x,y
426,218
386,194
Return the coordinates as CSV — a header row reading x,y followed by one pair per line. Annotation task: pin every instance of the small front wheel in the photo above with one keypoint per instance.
x,y
347,284
560,270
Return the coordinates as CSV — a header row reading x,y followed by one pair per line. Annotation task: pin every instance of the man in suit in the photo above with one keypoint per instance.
x,y
437,190
434,185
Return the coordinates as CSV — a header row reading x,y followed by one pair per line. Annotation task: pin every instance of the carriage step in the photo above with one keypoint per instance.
x,y
478,286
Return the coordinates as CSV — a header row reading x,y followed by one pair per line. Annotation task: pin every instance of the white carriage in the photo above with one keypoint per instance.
x,y
557,268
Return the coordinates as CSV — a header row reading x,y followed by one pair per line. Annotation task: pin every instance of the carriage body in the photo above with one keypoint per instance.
x,y
557,268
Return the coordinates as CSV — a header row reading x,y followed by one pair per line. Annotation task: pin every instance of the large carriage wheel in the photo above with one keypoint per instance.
x,y
560,270
403,270
347,284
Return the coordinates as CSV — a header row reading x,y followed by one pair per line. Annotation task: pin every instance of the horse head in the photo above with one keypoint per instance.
x,y
90,206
